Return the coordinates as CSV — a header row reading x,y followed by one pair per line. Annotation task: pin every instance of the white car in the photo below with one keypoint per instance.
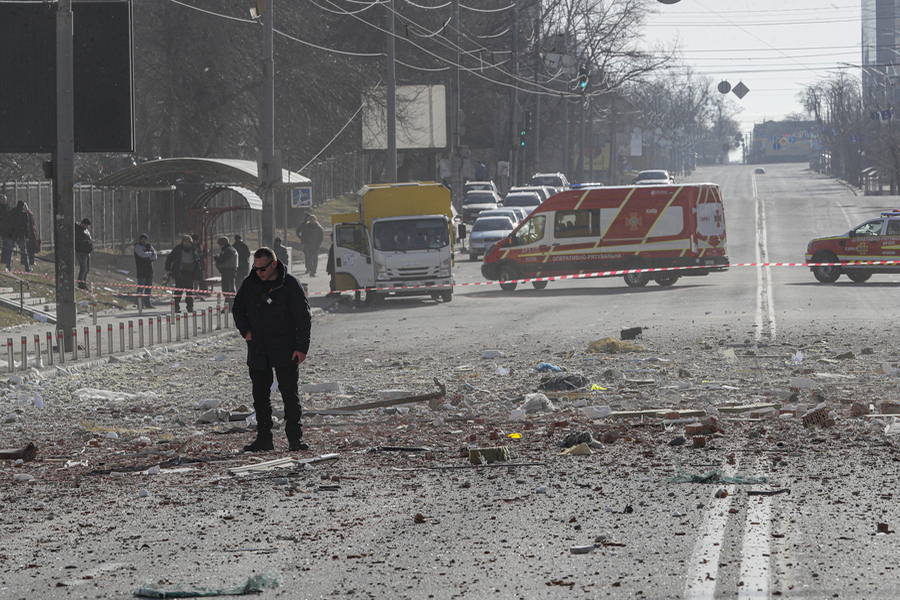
x,y
556,180
486,232
527,200
516,213
477,201
654,177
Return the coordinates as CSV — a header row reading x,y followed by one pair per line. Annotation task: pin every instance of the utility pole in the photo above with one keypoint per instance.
x,y
514,98
391,166
64,179
455,154
536,121
565,133
613,143
269,170
579,171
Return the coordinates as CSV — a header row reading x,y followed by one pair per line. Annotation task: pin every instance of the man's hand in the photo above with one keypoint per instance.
x,y
298,357
249,335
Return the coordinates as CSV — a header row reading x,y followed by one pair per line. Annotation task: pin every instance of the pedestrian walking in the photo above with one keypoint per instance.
x,y
272,313
15,233
84,245
33,241
183,265
311,235
144,255
243,252
281,253
226,263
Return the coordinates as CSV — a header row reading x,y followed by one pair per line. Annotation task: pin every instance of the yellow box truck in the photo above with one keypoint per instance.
x,y
399,242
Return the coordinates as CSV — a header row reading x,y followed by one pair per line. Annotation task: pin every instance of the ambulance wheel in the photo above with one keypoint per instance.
x,y
637,279
539,285
666,280
826,274
858,276
507,273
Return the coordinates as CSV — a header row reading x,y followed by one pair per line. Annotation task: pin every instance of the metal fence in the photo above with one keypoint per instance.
x,y
118,217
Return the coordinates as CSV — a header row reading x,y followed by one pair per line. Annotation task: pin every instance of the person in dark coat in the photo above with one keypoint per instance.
x,y
311,235
330,269
84,245
34,240
243,252
183,264
281,253
226,263
272,313
144,255
4,213
15,233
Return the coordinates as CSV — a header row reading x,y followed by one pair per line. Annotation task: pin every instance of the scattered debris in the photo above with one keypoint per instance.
x,y
480,456
715,477
26,454
631,333
253,585
768,492
612,346
564,383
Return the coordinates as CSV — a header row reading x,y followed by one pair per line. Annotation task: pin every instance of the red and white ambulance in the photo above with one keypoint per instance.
x,y
580,232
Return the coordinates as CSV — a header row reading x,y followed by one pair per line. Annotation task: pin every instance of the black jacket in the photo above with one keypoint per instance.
x,y
277,314
84,243
244,253
174,260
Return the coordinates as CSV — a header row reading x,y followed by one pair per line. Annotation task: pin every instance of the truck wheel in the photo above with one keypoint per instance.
x,y
666,280
636,279
539,285
447,296
825,274
507,273
858,276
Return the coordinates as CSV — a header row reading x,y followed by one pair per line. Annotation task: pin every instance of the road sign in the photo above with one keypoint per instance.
x,y
776,146
301,197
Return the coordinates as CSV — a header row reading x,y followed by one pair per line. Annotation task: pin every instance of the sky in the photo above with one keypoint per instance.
x,y
775,47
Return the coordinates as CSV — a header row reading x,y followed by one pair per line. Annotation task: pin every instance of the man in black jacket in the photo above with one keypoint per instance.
x,y
144,255
84,245
243,252
272,313
15,233
183,265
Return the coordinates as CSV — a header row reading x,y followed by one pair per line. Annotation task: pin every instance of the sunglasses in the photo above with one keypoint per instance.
x,y
262,268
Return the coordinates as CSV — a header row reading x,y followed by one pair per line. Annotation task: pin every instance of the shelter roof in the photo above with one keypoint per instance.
x,y
167,172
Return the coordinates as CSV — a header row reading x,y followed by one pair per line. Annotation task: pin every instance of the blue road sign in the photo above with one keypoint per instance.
x,y
301,197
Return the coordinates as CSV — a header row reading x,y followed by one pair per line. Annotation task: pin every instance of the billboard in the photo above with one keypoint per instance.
x,y
421,118
104,113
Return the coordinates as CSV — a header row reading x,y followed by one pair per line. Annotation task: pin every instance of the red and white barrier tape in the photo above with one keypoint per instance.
x,y
591,275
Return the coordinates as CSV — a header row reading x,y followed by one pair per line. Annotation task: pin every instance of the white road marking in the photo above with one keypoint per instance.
x,y
765,306
756,549
701,582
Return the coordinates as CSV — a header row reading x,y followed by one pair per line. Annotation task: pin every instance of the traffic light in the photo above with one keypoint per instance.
x,y
584,78
524,128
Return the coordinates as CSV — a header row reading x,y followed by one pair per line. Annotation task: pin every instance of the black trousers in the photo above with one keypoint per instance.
x,y
288,378
184,280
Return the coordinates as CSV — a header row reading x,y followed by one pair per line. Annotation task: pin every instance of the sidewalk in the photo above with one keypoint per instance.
x,y
129,329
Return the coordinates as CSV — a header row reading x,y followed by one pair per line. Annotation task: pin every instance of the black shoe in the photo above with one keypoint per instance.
x,y
298,445
259,445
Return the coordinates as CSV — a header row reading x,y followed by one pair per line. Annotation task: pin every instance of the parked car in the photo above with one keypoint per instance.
x,y
760,170
486,232
654,177
527,200
515,213
556,180
875,240
477,201
489,186
543,191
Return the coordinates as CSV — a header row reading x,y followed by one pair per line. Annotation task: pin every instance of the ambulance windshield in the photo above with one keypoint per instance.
x,y
532,231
